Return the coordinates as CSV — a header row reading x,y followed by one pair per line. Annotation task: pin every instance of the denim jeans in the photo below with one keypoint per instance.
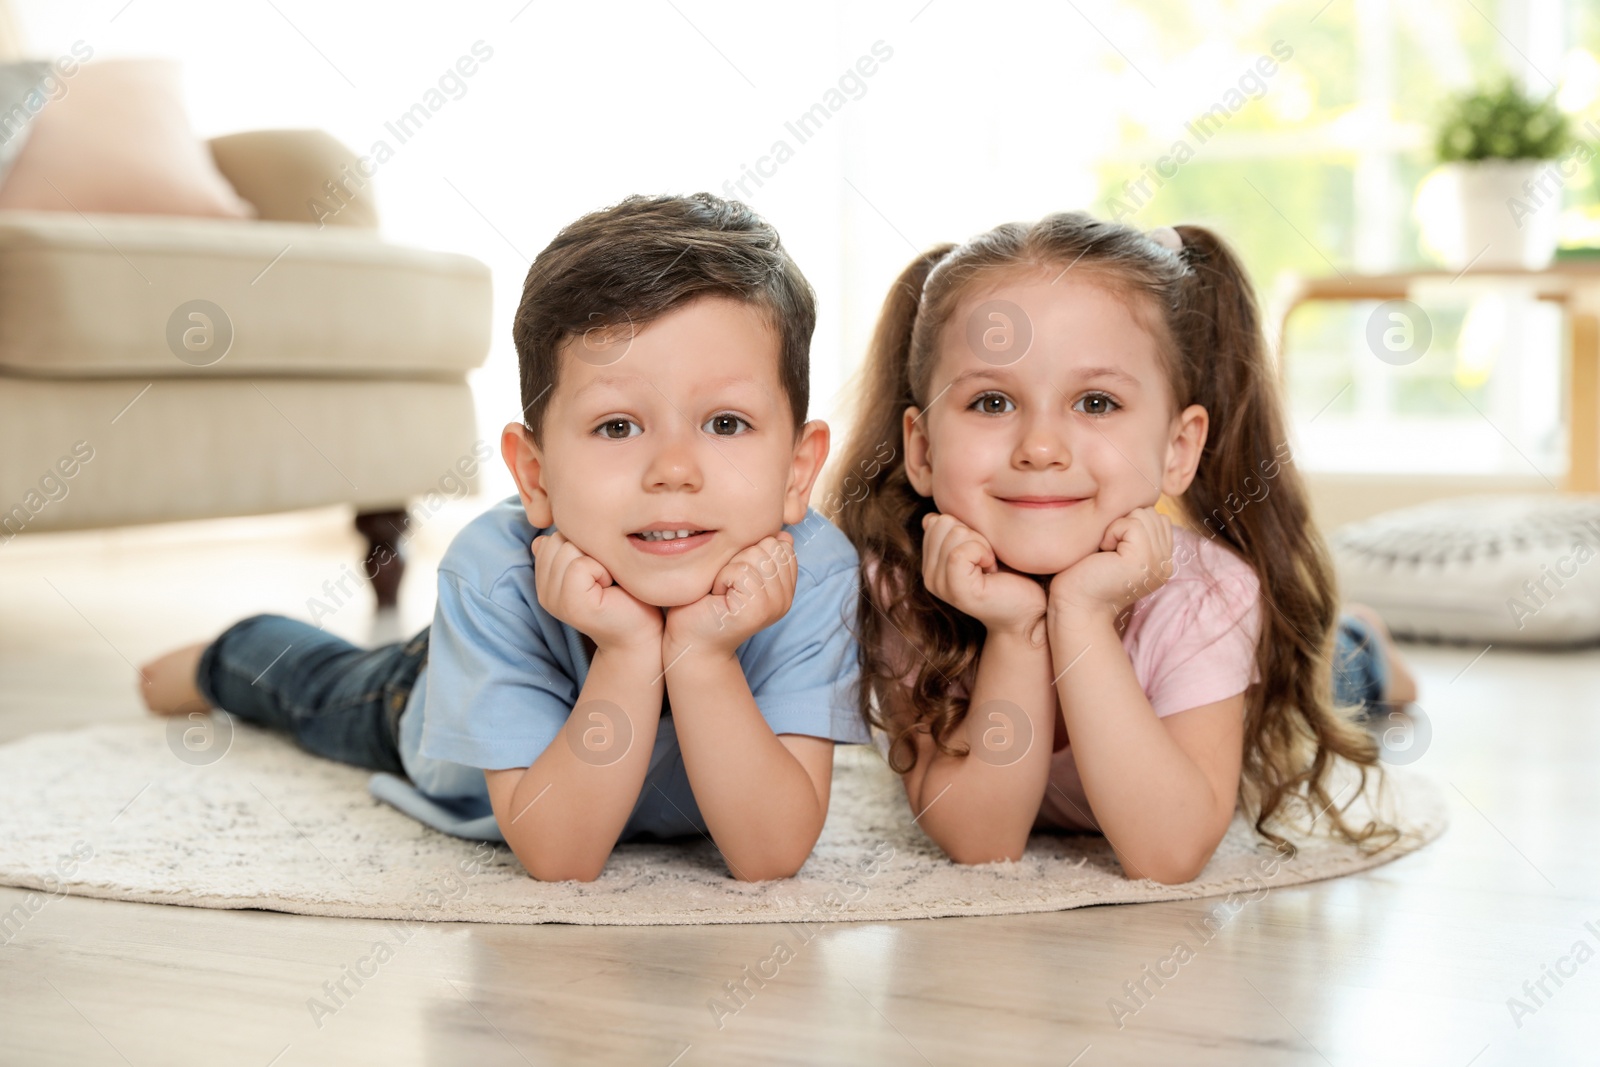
x,y
335,699
1359,670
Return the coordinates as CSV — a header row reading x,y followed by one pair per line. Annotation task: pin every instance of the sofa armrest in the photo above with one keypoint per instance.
x,y
297,176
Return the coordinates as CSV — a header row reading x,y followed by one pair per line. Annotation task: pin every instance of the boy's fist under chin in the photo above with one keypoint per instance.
x,y
1134,560
752,591
580,592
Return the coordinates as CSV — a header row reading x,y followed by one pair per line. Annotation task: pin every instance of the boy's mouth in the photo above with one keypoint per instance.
x,y
668,538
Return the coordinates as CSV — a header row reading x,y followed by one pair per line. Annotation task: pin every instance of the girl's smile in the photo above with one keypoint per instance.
x,y
1041,455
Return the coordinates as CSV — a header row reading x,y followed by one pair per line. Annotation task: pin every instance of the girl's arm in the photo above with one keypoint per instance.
x,y
981,806
1163,790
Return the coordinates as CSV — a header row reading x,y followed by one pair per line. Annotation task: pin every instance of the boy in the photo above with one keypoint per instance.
x,y
652,638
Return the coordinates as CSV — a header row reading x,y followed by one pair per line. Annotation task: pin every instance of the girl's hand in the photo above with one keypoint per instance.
x,y
1135,559
753,591
576,589
959,567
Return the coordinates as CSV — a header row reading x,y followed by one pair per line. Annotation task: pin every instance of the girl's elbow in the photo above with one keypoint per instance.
x,y
971,853
1171,868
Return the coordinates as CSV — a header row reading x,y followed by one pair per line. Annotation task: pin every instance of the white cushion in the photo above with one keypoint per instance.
x,y
93,297
1521,569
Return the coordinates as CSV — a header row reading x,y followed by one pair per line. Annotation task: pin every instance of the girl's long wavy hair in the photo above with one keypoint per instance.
x,y
1199,304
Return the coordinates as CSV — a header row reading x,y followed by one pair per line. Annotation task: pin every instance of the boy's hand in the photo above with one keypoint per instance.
x,y
1135,559
576,589
752,592
959,567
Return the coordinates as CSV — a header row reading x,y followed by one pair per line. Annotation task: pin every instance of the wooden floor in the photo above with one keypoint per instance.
x,y
1412,963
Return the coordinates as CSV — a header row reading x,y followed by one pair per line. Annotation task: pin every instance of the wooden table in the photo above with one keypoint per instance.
x,y
1574,286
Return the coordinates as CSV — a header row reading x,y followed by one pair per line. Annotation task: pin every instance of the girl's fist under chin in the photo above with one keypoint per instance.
x,y
1134,560
960,568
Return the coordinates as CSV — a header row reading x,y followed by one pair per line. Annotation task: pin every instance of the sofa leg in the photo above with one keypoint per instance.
x,y
385,565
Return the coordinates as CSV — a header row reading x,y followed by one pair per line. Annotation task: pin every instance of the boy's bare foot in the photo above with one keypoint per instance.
x,y
1402,687
166,683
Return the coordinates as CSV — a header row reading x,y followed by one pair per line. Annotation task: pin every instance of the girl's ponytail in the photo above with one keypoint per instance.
x,y
883,390
1247,493
868,496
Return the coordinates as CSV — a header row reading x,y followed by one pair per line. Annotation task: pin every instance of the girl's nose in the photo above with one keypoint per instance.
x,y
1043,445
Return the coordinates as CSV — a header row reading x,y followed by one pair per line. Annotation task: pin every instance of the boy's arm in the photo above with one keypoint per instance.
x,y
764,796
563,814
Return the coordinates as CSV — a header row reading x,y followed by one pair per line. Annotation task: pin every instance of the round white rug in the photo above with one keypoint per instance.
x,y
113,811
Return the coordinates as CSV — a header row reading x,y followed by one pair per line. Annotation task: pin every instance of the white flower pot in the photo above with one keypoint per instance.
x,y
1507,214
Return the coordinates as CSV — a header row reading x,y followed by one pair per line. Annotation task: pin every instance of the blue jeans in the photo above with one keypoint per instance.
x,y
1359,670
335,699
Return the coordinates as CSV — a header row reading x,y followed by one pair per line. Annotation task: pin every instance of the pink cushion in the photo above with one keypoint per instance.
x,y
119,142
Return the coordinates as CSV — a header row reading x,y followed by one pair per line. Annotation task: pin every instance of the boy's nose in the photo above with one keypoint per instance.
x,y
675,464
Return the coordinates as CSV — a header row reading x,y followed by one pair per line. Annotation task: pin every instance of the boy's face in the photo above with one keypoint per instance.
x,y
684,427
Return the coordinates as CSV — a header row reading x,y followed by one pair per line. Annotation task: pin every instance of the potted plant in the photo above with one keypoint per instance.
x,y
1498,145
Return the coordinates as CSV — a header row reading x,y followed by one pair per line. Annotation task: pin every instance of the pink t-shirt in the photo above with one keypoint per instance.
x,y
1192,642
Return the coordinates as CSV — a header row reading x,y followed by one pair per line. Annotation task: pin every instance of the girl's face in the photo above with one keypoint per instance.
x,y
1050,417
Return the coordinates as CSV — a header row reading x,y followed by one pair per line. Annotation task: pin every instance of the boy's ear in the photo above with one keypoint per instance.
x,y
1189,429
810,452
919,469
526,465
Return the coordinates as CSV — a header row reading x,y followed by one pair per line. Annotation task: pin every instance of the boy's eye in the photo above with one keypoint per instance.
x,y
725,425
618,429
993,404
1096,404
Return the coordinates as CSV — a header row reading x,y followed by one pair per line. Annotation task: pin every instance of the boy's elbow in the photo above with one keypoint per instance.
x,y
766,873
563,872
543,866
769,868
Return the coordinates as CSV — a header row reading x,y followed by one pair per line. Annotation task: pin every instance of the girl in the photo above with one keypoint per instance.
x,y
1043,648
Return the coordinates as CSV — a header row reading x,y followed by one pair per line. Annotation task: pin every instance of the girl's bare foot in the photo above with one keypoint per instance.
x,y
166,683
1402,687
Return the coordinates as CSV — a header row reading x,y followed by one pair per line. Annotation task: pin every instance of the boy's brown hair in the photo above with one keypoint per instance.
x,y
617,269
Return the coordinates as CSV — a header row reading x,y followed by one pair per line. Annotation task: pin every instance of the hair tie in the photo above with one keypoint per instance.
x,y
1166,237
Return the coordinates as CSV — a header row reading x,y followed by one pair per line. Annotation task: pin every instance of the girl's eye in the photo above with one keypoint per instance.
x,y
618,429
1096,404
992,404
725,425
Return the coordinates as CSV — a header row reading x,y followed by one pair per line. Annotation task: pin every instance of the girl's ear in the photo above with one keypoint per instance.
x,y
526,464
810,453
1188,441
914,434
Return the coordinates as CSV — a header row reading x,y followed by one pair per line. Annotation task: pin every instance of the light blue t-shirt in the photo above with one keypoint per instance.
x,y
503,674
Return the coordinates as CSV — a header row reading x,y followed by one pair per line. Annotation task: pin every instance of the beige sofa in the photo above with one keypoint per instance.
x,y
344,381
